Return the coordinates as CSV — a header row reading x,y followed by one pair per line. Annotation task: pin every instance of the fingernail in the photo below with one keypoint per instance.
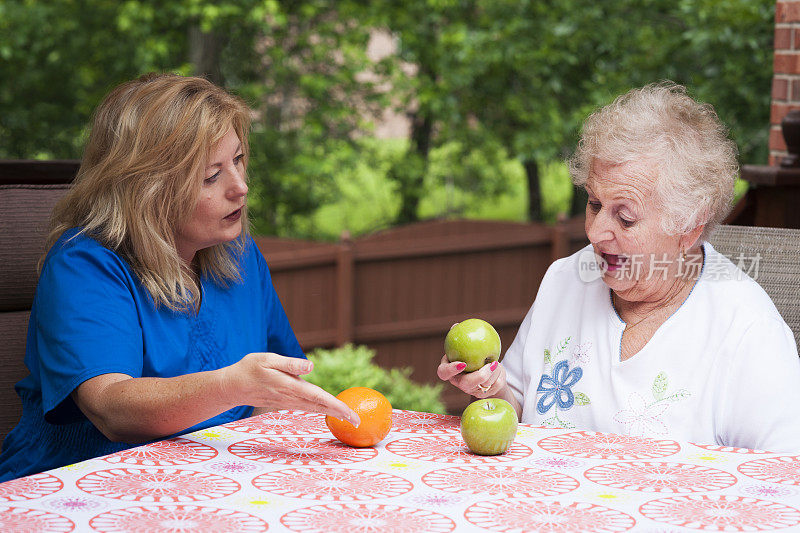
x,y
494,366
354,420
308,367
461,366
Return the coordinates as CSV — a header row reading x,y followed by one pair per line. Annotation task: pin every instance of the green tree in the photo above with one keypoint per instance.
x,y
530,71
428,34
418,28
57,60
305,77
480,79
295,63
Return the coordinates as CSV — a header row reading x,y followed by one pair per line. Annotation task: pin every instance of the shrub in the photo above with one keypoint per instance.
x,y
351,366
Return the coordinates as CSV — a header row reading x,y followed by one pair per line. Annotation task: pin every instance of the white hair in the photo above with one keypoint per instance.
x,y
695,161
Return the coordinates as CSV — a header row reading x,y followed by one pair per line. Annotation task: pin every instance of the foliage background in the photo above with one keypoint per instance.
x,y
494,90
352,366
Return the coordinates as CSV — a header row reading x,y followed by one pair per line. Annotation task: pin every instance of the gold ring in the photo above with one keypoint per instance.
x,y
484,389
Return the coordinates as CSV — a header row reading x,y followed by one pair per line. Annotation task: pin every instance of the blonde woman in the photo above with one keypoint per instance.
x,y
649,331
155,313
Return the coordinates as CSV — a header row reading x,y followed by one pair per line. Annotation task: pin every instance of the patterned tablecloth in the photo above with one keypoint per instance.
x,y
285,472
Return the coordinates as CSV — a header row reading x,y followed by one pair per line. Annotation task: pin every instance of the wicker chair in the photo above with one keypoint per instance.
x,y
778,264
28,192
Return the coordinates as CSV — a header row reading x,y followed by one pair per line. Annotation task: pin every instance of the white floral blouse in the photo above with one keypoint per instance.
x,y
722,369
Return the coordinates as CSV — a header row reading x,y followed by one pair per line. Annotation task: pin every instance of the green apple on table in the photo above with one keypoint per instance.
x,y
489,426
474,342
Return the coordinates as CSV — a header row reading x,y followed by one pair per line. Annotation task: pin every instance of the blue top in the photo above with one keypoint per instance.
x,y
91,316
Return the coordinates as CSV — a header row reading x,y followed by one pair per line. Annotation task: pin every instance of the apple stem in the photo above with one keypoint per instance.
x,y
488,406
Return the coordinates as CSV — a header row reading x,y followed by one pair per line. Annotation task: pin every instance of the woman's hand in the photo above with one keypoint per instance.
x,y
270,381
487,381
133,410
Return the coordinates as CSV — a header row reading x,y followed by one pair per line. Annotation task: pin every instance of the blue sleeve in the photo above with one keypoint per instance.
x,y
86,322
280,336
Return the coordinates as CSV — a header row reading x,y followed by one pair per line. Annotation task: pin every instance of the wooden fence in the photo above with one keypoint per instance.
x,y
399,291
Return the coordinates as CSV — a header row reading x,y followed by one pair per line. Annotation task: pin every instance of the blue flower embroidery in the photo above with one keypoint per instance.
x,y
556,388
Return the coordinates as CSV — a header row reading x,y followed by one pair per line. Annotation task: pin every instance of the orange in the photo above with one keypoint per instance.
x,y
375,413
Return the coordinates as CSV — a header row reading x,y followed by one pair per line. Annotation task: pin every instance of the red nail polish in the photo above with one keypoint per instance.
x,y
461,366
494,366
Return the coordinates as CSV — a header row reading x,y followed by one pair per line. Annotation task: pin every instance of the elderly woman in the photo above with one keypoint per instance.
x,y
649,331
155,313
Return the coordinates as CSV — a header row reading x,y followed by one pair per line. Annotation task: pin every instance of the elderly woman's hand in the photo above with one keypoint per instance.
x,y
270,381
485,382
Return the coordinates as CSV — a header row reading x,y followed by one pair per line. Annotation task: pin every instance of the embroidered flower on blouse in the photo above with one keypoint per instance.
x,y
557,387
580,354
642,419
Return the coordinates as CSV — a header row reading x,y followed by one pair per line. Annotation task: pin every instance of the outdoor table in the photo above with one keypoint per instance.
x,y
284,471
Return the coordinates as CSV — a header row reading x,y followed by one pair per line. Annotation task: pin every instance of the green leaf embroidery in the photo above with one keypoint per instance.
x,y
546,356
563,346
678,396
660,385
555,422
581,399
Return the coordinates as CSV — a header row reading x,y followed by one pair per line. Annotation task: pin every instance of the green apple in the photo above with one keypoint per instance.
x,y
489,426
473,341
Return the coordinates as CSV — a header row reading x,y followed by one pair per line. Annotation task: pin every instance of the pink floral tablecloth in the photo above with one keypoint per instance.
x,y
285,472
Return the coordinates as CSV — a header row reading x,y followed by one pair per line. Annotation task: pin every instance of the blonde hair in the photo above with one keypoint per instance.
x,y
140,180
696,162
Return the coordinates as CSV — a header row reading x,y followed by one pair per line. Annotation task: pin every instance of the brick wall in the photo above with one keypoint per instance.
x,y
786,73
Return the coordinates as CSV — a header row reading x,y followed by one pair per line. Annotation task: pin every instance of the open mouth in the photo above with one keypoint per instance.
x,y
235,215
613,262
